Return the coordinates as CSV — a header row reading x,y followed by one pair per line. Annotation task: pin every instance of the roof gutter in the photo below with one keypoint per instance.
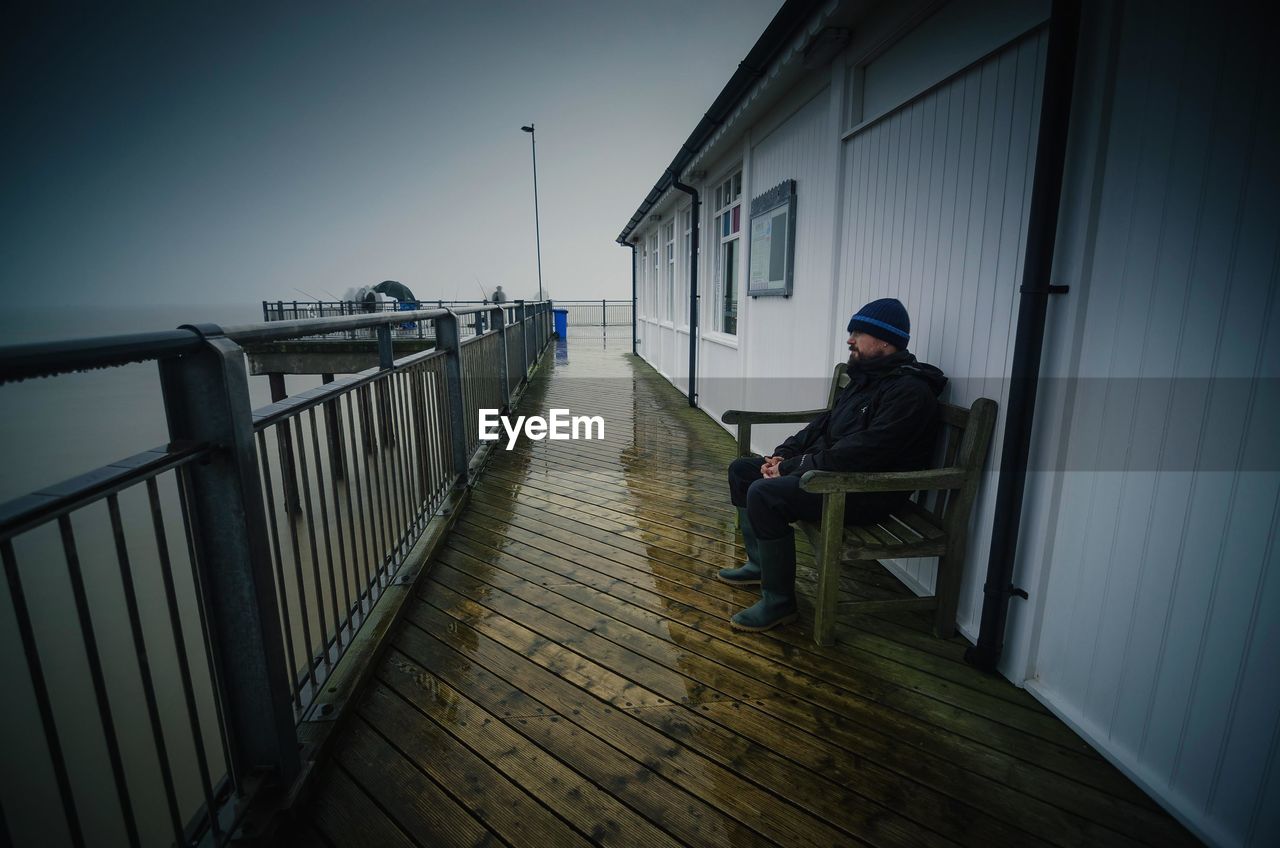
x,y
635,339
791,17
1028,344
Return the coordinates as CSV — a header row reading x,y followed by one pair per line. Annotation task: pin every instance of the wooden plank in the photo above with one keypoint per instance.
x,y
1089,768
415,803
680,532
577,541
860,550
500,805
345,815
870,778
721,787
920,520
867,665
452,658
571,489
716,787
583,804
926,603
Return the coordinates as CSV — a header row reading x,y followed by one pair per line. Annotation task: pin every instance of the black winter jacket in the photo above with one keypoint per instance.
x,y
884,420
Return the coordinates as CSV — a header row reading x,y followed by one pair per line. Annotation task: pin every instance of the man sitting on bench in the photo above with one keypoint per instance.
x,y
884,420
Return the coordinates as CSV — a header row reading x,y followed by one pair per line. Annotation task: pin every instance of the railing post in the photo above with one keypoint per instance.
x,y
521,315
500,324
333,433
206,399
284,443
449,340
604,311
386,361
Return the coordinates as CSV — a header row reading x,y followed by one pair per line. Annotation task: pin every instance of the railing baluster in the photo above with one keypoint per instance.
x,y
356,480
382,505
192,533
317,584
26,634
180,650
278,560
396,459
295,548
341,492
325,528
406,443
144,664
373,481
98,679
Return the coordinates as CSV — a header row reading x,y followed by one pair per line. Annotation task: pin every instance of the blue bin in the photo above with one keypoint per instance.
x,y
407,306
562,322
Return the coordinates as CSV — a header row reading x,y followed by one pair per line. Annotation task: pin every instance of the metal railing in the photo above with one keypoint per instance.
x,y
581,313
596,313
474,321
179,612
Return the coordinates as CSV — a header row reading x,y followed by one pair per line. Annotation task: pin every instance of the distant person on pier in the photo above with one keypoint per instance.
x,y
884,420
499,296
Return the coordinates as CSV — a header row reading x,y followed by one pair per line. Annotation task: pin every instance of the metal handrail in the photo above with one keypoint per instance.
x,y
48,359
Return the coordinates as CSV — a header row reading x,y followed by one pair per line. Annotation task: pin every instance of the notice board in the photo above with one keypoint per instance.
x,y
773,235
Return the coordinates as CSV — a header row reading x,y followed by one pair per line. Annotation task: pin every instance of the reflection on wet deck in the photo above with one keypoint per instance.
x,y
567,676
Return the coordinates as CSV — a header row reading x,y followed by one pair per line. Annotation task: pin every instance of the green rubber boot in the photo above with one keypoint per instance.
x,y
747,574
777,604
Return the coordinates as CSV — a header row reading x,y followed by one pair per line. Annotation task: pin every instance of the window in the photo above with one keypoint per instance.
x,y
655,275
686,242
727,226
669,272
642,283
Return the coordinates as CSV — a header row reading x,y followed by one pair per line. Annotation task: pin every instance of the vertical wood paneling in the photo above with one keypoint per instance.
x,y
935,200
787,343
1162,615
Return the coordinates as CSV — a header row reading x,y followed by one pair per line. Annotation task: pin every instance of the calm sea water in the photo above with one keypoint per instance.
x,y
55,428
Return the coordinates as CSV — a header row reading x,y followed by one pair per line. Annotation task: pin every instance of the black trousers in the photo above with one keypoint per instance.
x,y
773,503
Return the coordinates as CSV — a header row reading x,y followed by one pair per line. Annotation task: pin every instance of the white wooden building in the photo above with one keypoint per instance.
x,y
1147,543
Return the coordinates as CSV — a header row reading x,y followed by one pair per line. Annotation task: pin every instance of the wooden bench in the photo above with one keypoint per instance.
x,y
934,523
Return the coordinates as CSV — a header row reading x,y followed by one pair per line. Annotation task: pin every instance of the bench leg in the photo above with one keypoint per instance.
x,y
828,557
947,591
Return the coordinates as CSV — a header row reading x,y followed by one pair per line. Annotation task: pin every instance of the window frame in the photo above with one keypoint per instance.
x,y
727,198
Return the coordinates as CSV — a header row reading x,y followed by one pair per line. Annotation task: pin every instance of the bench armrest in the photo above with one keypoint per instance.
x,y
739,416
824,482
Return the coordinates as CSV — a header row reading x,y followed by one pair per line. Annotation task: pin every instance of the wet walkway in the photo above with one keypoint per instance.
x,y
567,676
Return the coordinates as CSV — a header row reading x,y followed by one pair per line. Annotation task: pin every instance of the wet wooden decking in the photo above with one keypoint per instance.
x,y
567,676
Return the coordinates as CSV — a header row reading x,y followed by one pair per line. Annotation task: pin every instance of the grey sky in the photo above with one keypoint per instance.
x,y
226,153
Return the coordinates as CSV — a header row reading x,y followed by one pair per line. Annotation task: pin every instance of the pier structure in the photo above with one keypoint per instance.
x,y
442,642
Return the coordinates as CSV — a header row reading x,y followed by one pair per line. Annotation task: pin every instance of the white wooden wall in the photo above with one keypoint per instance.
x,y
790,344
1160,589
935,203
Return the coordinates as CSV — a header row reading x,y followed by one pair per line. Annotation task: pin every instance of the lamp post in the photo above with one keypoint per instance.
x,y
537,227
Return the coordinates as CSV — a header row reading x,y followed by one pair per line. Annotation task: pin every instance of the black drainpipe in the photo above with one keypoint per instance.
x,y
634,337
693,285
1046,193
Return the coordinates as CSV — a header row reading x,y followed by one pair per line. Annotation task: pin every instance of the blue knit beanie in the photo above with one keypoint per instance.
x,y
886,319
